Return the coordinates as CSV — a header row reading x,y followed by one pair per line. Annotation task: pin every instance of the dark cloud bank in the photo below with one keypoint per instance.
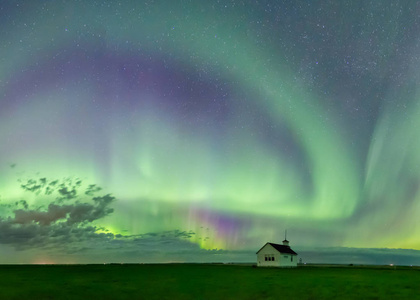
x,y
65,220
64,227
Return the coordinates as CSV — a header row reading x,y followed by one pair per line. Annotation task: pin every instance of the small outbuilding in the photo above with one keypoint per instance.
x,y
275,255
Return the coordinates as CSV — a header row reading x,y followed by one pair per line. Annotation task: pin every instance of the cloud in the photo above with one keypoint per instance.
x,y
57,225
371,256
66,219
53,214
67,223
92,189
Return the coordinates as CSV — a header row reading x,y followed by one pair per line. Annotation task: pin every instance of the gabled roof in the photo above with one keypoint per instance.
x,y
280,248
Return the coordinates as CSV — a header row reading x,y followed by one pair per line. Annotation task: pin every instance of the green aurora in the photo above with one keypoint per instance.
x,y
217,124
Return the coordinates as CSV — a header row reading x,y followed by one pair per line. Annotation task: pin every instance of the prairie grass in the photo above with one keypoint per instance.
x,y
205,281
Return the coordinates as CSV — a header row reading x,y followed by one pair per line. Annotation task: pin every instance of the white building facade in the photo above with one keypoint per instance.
x,y
275,255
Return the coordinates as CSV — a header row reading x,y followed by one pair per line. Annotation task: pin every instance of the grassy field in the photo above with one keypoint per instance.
x,y
201,281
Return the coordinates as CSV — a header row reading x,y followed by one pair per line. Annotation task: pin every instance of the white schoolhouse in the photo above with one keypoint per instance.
x,y
275,255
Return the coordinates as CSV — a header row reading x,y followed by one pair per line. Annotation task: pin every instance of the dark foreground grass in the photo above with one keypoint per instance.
x,y
198,281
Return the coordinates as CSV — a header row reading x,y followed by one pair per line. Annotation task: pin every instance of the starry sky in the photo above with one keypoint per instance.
x,y
159,131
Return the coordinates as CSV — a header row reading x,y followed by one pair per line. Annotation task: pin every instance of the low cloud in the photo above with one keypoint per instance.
x,y
67,224
362,256
68,218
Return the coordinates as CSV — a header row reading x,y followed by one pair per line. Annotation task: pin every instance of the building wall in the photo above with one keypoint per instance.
x,y
280,260
288,260
268,250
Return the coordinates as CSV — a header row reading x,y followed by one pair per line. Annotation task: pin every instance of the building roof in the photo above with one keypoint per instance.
x,y
280,248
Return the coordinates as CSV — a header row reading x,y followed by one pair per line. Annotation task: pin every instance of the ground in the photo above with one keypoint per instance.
x,y
207,281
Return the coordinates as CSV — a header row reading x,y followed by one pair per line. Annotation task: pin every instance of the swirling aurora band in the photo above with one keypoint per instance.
x,y
194,117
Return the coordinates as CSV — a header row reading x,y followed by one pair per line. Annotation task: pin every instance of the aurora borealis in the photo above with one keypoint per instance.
x,y
182,129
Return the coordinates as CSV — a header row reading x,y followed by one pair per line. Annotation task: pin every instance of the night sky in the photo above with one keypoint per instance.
x,y
158,131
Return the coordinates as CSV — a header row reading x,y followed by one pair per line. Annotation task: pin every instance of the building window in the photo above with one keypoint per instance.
x,y
269,257
291,258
